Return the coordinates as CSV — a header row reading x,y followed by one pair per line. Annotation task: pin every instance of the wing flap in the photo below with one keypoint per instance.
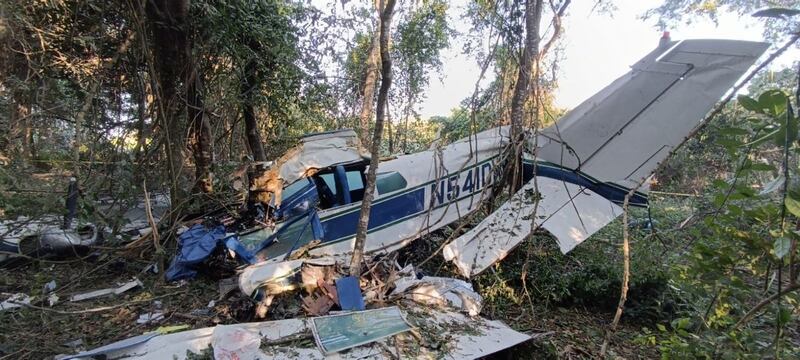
x,y
569,212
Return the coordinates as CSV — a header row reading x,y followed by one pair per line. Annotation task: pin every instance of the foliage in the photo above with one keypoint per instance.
x,y
419,41
777,23
784,79
732,256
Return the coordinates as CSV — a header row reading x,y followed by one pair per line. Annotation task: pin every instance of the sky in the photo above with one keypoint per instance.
x,y
598,48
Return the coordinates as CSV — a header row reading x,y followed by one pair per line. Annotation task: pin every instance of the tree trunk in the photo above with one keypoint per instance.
x,y
167,20
19,123
370,77
389,129
533,16
383,93
201,141
407,112
250,124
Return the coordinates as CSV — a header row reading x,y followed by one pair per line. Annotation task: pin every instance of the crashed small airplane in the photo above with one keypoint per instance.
x,y
577,172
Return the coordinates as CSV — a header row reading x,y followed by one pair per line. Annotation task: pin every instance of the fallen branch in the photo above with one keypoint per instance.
x,y
149,211
747,317
626,269
287,339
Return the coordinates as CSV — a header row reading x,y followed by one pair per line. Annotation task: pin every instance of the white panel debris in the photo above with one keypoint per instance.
x,y
439,291
15,301
106,292
465,337
274,275
567,211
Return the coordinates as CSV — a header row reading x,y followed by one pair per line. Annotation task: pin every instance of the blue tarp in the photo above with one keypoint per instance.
x,y
196,244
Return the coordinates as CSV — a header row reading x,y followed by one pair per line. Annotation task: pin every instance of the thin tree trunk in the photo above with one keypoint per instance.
x,y
370,77
87,105
201,141
19,122
369,187
533,17
389,129
18,77
407,112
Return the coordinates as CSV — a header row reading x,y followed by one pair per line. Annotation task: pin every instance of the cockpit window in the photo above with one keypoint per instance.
x,y
388,182
355,180
294,188
340,185
330,181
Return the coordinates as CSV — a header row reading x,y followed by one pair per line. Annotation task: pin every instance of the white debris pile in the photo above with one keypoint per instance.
x,y
441,292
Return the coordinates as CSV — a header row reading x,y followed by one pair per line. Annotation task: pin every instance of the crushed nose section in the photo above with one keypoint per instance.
x,y
314,152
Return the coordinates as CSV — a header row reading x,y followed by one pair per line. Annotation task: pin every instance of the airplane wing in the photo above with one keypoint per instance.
x,y
622,133
618,137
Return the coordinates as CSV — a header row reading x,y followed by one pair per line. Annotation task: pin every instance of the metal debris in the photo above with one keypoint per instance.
x,y
106,292
15,301
442,292
335,333
456,336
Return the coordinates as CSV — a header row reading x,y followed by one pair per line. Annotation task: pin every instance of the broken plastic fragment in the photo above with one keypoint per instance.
x,y
349,293
15,301
150,318
335,333
105,292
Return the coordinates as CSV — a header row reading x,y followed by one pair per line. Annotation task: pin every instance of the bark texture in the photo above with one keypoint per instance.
x,y
167,21
370,78
248,113
383,94
180,91
533,17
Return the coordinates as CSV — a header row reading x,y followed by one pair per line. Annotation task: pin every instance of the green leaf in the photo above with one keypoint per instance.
x,y
733,131
680,324
784,315
773,101
793,205
781,138
661,327
728,142
749,103
782,247
762,139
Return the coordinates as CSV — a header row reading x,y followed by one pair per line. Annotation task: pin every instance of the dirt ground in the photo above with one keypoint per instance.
x,y
42,331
